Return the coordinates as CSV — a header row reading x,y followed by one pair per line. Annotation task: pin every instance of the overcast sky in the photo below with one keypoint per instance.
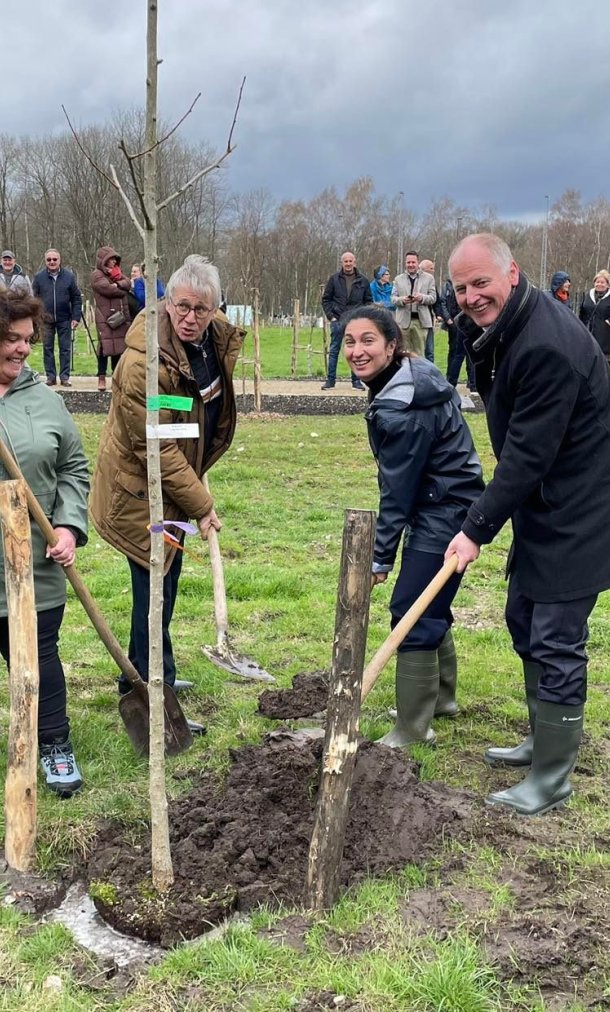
x,y
484,101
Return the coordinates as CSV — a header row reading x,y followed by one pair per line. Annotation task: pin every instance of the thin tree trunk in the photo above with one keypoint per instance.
x,y
20,786
162,870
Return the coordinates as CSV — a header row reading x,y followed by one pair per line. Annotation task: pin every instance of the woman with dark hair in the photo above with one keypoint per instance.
x,y
429,476
39,432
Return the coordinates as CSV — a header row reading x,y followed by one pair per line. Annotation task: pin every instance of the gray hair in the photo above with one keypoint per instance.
x,y
198,274
495,246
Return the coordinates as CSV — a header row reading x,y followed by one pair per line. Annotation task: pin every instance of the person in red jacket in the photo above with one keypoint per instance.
x,y
112,319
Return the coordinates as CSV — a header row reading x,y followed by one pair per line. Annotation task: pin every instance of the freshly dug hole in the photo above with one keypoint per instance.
x,y
246,841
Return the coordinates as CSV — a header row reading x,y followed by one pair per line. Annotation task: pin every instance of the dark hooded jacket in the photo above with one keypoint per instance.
x,y
546,388
429,471
559,278
596,317
110,297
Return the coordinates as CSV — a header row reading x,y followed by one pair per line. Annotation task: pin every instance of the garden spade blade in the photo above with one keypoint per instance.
x,y
133,708
222,654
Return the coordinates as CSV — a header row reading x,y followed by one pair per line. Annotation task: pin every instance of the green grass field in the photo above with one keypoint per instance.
x,y
281,492
276,354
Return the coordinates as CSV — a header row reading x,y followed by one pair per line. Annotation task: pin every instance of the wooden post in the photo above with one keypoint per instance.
x,y
257,350
340,744
324,333
296,312
20,785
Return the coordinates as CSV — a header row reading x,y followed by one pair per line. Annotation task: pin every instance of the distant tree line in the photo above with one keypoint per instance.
x,y
50,195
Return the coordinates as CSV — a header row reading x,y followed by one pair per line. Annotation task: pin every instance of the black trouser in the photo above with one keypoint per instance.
x,y
138,637
417,569
64,343
102,363
554,635
455,357
52,718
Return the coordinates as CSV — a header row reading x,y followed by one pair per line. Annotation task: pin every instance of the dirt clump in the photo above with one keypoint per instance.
x,y
246,841
308,695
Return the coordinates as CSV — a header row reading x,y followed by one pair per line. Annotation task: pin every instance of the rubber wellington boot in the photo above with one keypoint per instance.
x,y
556,742
521,755
446,705
416,695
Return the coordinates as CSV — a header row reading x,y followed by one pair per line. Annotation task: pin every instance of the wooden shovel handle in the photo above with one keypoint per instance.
x,y
221,613
415,612
98,621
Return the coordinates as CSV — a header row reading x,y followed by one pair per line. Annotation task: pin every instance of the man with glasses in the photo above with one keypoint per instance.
x,y
12,277
198,349
57,288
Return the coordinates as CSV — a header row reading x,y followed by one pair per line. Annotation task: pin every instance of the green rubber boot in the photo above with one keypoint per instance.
x,y
416,694
556,741
446,705
521,755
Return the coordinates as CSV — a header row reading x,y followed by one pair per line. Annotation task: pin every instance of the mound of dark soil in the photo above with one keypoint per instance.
x,y
307,696
246,842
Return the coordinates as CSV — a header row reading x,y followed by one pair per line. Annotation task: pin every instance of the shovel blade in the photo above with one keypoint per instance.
x,y
133,709
237,664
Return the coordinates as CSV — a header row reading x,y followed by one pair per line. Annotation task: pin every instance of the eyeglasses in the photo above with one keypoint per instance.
x,y
184,308
52,260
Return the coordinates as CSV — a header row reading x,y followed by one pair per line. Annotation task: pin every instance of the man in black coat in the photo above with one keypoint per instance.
x,y
546,388
57,288
344,290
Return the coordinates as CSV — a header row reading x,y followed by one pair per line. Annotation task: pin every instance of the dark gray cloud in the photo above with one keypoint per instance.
x,y
487,103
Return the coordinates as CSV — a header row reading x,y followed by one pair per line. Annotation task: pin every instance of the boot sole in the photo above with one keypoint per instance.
x,y
492,761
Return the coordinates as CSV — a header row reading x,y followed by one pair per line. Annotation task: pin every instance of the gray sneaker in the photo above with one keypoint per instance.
x,y
59,767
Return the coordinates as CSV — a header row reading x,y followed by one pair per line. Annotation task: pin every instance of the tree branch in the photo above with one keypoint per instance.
x,y
166,137
209,168
140,195
87,155
127,202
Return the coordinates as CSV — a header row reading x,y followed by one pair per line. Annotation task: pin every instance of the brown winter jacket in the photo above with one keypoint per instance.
x,y
110,297
119,497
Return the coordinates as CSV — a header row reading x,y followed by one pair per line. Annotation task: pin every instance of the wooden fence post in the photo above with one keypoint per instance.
x,y
324,333
343,712
296,315
20,785
257,350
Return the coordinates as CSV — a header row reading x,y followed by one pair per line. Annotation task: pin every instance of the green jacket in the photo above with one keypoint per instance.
x,y
38,430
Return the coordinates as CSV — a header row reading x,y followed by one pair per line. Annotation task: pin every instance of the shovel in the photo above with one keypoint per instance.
x,y
408,620
133,707
223,655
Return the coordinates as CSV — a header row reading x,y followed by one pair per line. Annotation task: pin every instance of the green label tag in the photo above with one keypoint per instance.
x,y
167,401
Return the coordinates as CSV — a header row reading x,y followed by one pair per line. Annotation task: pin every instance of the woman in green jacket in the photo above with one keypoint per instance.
x,y
37,428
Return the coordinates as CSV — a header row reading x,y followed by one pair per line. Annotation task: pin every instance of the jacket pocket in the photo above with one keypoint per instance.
x,y
129,499
433,490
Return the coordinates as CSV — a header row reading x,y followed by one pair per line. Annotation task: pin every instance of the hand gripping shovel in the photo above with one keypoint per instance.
x,y
408,620
223,654
133,707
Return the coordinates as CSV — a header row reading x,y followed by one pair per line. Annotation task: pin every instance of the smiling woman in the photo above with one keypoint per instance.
x,y
38,430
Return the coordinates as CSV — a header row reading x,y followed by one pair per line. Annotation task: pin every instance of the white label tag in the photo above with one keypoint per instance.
x,y
182,430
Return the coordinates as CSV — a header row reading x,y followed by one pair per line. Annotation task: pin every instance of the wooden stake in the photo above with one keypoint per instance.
x,y
324,333
296,315
351,625
257,351
20,785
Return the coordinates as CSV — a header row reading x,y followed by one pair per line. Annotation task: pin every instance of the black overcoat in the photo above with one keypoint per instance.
x,y
546,388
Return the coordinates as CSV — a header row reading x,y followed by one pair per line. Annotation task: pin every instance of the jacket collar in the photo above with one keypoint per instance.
x,y
515,312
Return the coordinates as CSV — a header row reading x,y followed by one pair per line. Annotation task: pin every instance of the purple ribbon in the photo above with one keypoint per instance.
x,y
180,524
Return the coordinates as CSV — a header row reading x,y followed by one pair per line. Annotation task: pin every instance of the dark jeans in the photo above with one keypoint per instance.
x,y
417,569
429,349
64,343
336,340
554,635
52,717
102,363
457,354
138,637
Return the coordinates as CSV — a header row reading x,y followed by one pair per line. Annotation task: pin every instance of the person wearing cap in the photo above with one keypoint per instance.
x,y
381,288
57,289
110,287
560,288
12,277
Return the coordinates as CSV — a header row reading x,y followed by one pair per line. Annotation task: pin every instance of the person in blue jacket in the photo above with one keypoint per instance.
x,y
138,285
381,288
429,476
